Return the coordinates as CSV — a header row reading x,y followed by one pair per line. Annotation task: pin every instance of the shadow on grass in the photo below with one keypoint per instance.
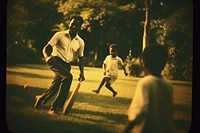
x,y
115,118
103,101
32,66
182,124
19,97
183,108
21,117
30,75
41,124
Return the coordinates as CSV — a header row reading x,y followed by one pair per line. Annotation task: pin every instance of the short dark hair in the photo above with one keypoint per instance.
x,y
79,18
154,58
113,46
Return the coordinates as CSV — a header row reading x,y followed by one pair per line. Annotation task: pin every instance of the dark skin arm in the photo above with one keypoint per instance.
x,y
104,69
81,67
47,50
125,73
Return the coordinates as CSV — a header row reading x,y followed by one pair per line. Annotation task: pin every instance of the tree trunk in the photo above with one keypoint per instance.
x,y
146,31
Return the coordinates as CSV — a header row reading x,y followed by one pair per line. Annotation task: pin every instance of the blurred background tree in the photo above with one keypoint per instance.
x,y
30,24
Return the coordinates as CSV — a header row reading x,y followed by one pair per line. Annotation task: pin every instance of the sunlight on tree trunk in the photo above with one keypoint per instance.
x,y
95,55
146,31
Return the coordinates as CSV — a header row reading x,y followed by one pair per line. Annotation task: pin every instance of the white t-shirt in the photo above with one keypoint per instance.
x,y
152,105
112,65
65,48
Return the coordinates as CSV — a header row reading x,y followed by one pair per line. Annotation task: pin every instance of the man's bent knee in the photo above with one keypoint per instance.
x,y
107,85
68,77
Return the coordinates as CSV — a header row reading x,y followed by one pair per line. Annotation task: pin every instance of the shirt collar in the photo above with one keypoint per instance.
x,y
68,35
113,57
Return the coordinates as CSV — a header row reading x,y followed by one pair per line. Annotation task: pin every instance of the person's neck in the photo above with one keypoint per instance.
x,y
157,75
72,35
114,56
153,74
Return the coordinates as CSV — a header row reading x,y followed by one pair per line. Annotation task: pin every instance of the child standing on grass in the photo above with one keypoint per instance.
x,y
111,66
151,110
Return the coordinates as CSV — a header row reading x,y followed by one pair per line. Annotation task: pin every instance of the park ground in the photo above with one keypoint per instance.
x,y
91,113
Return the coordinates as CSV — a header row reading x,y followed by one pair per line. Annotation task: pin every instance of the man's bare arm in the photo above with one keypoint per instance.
x,y
81,67
47,50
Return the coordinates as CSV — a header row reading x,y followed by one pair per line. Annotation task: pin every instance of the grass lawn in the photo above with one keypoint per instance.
x,y
91,113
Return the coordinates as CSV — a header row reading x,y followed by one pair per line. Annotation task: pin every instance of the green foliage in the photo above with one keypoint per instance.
x,y
179,41
17,24
134,66
30,24
158,31
176,32
59,27
106,22
25,37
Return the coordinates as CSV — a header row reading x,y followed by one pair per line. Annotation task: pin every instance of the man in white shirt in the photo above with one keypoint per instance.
x,y
62,49
151,110
111,65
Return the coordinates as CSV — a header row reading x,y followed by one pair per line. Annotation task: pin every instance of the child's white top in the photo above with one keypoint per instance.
x,y
112,65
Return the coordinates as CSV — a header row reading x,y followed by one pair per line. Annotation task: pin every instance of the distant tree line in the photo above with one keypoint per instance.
x,y
30,24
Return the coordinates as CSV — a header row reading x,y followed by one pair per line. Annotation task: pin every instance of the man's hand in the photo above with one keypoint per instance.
x,y
81,77
125,73
104,73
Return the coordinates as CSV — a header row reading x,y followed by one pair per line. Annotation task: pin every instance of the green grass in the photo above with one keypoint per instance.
x,y
91,113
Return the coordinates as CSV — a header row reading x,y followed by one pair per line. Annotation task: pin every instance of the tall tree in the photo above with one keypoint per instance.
x,y
146,31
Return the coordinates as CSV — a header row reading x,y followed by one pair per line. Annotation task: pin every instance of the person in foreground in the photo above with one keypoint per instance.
x,y
62,49
111,64
151,109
